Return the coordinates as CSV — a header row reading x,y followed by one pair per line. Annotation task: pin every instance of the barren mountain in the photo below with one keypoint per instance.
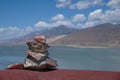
x,y
104,34
51,35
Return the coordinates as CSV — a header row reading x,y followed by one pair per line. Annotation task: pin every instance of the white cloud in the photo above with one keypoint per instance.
x,y
58,23
79,25
12,29
24,31
98,16
94,18
78,17
97,2
41,24
63,3
91,24
9,32
114,3
95,15
1,29
55,21
80,4
112,16
86,4
14,32
58,17
29,29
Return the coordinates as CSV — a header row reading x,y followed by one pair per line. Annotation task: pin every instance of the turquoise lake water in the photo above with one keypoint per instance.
x,y
107,59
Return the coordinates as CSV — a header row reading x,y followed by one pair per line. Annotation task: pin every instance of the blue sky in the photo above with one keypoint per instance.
x,y
20,17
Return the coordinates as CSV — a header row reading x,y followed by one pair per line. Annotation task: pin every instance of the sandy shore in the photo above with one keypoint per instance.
x,y
17,74
85,46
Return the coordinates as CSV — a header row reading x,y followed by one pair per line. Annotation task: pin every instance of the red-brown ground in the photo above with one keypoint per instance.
x,y
19,74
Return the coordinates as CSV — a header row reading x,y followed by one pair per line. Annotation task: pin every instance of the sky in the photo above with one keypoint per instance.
x,y
21,17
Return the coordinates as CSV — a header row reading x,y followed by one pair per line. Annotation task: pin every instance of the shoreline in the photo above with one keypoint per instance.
x,y
74,46
86,46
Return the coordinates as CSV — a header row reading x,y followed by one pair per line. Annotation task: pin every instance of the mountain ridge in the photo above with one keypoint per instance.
x,y
49,33
101,35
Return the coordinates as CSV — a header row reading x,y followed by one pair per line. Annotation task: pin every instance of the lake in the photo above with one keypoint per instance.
x,y
107,59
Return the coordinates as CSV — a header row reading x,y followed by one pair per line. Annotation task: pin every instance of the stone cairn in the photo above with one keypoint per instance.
x,y
37,55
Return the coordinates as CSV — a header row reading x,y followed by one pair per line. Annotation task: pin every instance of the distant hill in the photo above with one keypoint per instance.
x,y
51,34
104,34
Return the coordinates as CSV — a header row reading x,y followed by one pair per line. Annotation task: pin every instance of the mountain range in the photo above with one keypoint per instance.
x,y
50,34
100,35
